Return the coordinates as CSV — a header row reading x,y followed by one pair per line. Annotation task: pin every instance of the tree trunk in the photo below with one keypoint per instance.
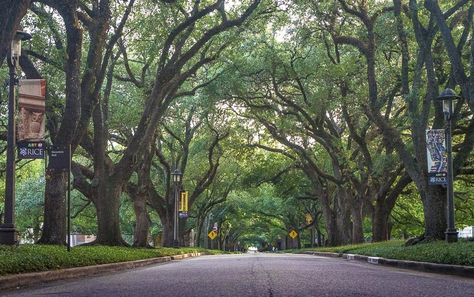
x,y
384,204
357,224
434,208
200,225
343,218
36,230
331,227
107,205
379,222
319,238
140,233
389,230
54,230
167,223
332,219
344,228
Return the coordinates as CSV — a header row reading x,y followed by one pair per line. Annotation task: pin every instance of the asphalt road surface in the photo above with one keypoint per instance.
x,y
259,275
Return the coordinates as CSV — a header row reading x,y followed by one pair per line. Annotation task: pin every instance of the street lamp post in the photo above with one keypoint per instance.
x,y
176,177
7,229
447,97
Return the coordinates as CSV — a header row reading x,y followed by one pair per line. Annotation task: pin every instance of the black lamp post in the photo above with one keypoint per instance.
x,y
7,229
447,97
177,176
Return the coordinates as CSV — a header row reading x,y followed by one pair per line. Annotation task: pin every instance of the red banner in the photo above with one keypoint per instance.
x,y
31,103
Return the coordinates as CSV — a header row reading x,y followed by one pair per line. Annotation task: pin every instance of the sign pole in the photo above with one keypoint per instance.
x,y
451,232
7,229
60,160
69,202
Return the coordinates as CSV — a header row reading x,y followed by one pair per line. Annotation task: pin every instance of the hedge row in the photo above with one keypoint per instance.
x,y
31,258
459,253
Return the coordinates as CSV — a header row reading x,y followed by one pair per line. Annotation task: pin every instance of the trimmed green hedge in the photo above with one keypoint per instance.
x,y
459,253
31,258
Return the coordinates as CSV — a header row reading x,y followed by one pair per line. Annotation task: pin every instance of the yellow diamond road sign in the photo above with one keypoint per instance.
x,y
212,234
293,234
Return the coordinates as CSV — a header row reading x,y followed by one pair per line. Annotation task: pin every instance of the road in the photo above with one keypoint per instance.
x,y
260,275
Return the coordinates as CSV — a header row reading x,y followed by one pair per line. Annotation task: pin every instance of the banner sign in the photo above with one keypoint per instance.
x,y
183,202
59,158
436,157
183,205
31,149
31,104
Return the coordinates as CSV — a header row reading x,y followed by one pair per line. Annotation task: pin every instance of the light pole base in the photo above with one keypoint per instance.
x,y
176,243
8,235
451,235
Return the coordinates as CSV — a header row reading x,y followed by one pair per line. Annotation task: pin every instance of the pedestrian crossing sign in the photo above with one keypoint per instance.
x,y
293,234
212,235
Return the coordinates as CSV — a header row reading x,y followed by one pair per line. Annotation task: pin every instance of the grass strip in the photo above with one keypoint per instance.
x,y
33,258
459,253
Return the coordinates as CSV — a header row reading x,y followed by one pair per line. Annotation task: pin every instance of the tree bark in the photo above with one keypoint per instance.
x,y
108,216
142,224
167,223
357,223
384,203
380,222
434,208
337,220
54,227
343,219
200,224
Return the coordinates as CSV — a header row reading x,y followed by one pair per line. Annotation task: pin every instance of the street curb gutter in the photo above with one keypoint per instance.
x,y
459,270
466,271
28,279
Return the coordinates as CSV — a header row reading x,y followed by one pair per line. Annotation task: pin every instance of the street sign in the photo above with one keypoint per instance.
x,y
212,235
293,234
31,149
59,158
183,214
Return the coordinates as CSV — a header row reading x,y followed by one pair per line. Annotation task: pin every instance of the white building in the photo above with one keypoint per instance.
x,y
467,232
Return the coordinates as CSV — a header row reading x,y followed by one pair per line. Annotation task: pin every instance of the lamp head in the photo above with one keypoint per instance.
x,y
447,97
16,43
447,94
176,176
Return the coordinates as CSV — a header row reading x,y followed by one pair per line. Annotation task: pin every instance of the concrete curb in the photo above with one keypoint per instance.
x,y
28,279
323,254
459,270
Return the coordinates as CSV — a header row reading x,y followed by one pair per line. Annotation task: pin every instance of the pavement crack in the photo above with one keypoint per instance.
x,y
270,292
266,277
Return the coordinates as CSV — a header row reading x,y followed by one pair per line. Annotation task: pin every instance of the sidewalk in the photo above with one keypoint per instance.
x,y
27,279
459,270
